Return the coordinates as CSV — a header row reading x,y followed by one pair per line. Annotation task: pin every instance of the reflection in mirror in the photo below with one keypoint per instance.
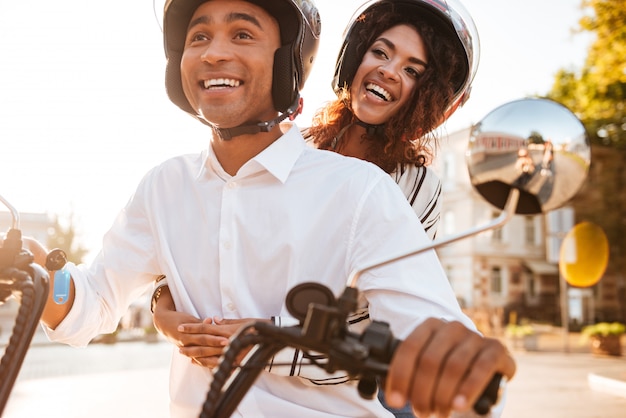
x,y
534,145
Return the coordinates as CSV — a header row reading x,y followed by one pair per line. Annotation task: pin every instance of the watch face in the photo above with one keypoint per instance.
x,y
56,259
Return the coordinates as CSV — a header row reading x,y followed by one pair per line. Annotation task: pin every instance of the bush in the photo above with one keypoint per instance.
x,y
518,331
603,329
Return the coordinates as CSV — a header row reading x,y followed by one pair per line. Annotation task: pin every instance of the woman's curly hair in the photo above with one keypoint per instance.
x,y
408,135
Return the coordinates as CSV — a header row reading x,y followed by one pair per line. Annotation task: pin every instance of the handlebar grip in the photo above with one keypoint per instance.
x,y
489,397
382,346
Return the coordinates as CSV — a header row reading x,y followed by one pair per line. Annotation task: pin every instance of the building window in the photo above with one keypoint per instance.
x,y
496,280
516,277
529,226
496,234
529,280
532,286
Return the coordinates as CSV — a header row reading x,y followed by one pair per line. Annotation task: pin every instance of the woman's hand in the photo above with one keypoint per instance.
x,y
203,341
171,324
210,337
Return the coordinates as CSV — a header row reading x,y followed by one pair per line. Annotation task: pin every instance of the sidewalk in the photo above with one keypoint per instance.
x,y
559,385
562,379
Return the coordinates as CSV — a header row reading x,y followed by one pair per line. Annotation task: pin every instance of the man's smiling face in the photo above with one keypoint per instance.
x,y
227,63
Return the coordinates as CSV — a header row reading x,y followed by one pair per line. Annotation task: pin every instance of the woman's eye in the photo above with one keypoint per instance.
x,y
379,52
412,72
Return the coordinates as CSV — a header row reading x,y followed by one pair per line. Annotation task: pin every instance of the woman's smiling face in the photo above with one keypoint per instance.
x,y
388,74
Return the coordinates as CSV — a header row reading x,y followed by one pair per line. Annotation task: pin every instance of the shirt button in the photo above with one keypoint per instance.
x,y
227,245
231,306
232,185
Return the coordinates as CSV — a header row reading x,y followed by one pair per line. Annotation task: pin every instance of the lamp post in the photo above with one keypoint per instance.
x,y
559,222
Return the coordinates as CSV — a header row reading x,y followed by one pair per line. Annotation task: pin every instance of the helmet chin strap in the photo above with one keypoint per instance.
x,y
372,130
255,128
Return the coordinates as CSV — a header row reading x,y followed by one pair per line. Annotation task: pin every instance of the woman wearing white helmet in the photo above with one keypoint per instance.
x,y
404,67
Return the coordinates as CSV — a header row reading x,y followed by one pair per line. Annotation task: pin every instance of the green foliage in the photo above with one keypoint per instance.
x,y
603,329
597,94
519,331
64,237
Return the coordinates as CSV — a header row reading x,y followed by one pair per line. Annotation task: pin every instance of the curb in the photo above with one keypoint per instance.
x,y
608,385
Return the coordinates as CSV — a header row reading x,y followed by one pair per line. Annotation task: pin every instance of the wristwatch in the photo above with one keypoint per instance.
x,y
159,284
56,261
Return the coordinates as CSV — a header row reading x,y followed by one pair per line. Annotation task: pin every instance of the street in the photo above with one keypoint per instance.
x,y
102,380
129,379
556,385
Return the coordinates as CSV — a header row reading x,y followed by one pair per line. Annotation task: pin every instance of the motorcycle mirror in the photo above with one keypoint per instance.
x,y
536,146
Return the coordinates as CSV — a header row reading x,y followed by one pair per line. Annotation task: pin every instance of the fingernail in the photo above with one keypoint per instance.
x,y
180,328
394,399
459,403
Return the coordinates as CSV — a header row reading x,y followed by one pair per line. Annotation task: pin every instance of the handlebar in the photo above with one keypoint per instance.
x,y
28,282
365,357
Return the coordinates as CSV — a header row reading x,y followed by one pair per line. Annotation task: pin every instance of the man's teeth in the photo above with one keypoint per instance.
x,y
379,91
221,82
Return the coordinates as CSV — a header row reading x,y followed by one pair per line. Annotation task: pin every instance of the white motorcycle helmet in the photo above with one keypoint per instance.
x,y
450,16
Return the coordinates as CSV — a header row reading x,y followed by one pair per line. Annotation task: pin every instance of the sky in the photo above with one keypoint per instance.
x,y
84,114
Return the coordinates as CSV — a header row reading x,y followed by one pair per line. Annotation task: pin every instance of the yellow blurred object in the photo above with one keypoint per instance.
x,y
584,255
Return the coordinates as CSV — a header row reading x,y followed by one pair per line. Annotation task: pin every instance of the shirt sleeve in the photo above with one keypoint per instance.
x,y
405,292
124,269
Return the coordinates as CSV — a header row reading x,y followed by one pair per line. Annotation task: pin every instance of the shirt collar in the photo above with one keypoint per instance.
x,y
278,159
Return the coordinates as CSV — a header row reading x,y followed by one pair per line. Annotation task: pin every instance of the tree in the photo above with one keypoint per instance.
x,y
64,237
597,94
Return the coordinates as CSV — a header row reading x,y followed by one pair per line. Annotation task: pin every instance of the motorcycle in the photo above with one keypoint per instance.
x,y
552,138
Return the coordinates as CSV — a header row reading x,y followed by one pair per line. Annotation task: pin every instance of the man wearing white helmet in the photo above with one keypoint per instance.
x,y
236,226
